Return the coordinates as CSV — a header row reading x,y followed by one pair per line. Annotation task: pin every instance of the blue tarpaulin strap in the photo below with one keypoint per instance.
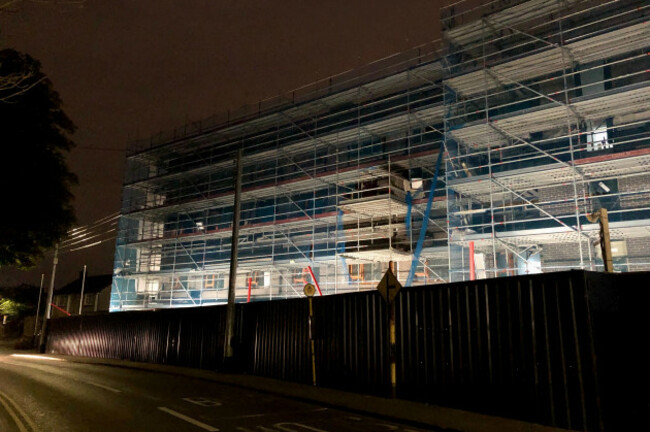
x,y
425,220
340,248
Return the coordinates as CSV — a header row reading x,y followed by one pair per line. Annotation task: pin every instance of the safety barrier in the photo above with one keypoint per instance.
x,y
562,349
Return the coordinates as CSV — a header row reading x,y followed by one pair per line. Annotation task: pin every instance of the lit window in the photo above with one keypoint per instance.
x,y
153,286
597,140
150,286
357,272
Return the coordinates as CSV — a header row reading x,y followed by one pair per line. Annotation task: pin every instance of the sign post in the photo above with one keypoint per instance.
x,y
310,290
388,287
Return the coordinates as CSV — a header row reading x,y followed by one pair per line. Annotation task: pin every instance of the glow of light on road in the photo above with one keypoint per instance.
x,y
36,357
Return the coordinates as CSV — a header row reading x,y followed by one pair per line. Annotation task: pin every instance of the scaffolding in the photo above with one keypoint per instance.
x,y
333,186
539,111
547,109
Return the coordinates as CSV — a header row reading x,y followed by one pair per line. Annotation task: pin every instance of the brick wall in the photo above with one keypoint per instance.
x,y
633,184
560,198
562,255
638,253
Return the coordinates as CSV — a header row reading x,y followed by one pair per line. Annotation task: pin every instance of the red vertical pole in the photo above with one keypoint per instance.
x,y
250,284
314,279
472,268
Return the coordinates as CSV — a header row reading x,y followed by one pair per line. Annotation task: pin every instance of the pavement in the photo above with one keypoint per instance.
x,y
64,393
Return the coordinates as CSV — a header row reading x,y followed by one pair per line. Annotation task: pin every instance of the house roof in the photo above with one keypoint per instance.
x,y
94,284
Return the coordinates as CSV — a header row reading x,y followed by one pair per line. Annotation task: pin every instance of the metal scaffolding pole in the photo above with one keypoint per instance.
x,y
83,285
38,307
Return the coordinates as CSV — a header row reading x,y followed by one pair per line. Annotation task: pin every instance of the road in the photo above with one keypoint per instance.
x,y
50,394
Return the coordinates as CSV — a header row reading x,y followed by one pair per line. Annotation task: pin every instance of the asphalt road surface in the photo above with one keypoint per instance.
x,y
61,396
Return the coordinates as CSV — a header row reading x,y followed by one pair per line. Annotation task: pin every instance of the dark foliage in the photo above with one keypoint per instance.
x,y
18,301
36,208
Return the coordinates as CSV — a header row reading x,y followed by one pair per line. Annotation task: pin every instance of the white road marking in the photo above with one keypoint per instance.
x,y
275,413
8,403
188,419
387,426
202,401
105,387
36,357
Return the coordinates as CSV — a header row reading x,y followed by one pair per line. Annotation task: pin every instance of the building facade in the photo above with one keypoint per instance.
x,y
96,296
477,156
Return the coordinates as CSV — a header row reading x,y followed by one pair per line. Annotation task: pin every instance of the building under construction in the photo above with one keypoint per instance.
x,y
481,155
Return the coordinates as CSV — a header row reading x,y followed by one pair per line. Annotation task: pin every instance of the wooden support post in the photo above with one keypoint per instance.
x,y
602,218
472,265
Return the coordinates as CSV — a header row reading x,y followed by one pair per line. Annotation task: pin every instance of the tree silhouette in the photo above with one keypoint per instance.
x,y
36,208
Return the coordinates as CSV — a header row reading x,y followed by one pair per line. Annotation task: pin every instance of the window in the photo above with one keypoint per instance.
x,y
597,139
301,277
89,299
153,286
150,286
357,272
213,281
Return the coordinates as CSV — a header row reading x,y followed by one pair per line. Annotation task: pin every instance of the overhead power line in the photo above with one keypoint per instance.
x,y
83,230
93,234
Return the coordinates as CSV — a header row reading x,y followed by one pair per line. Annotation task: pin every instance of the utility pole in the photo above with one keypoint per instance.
x,y
50,295
38,306
83,285
232,280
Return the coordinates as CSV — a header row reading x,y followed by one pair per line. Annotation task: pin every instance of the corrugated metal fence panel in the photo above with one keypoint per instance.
x,y
526,347
200,337
621,323
517,346
277,335
350,341
186,337
349,332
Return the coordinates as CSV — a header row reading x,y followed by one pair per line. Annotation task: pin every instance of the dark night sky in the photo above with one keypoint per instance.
x,y
133,68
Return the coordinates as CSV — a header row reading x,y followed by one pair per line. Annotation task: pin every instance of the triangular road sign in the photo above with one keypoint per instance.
x,y
389,286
